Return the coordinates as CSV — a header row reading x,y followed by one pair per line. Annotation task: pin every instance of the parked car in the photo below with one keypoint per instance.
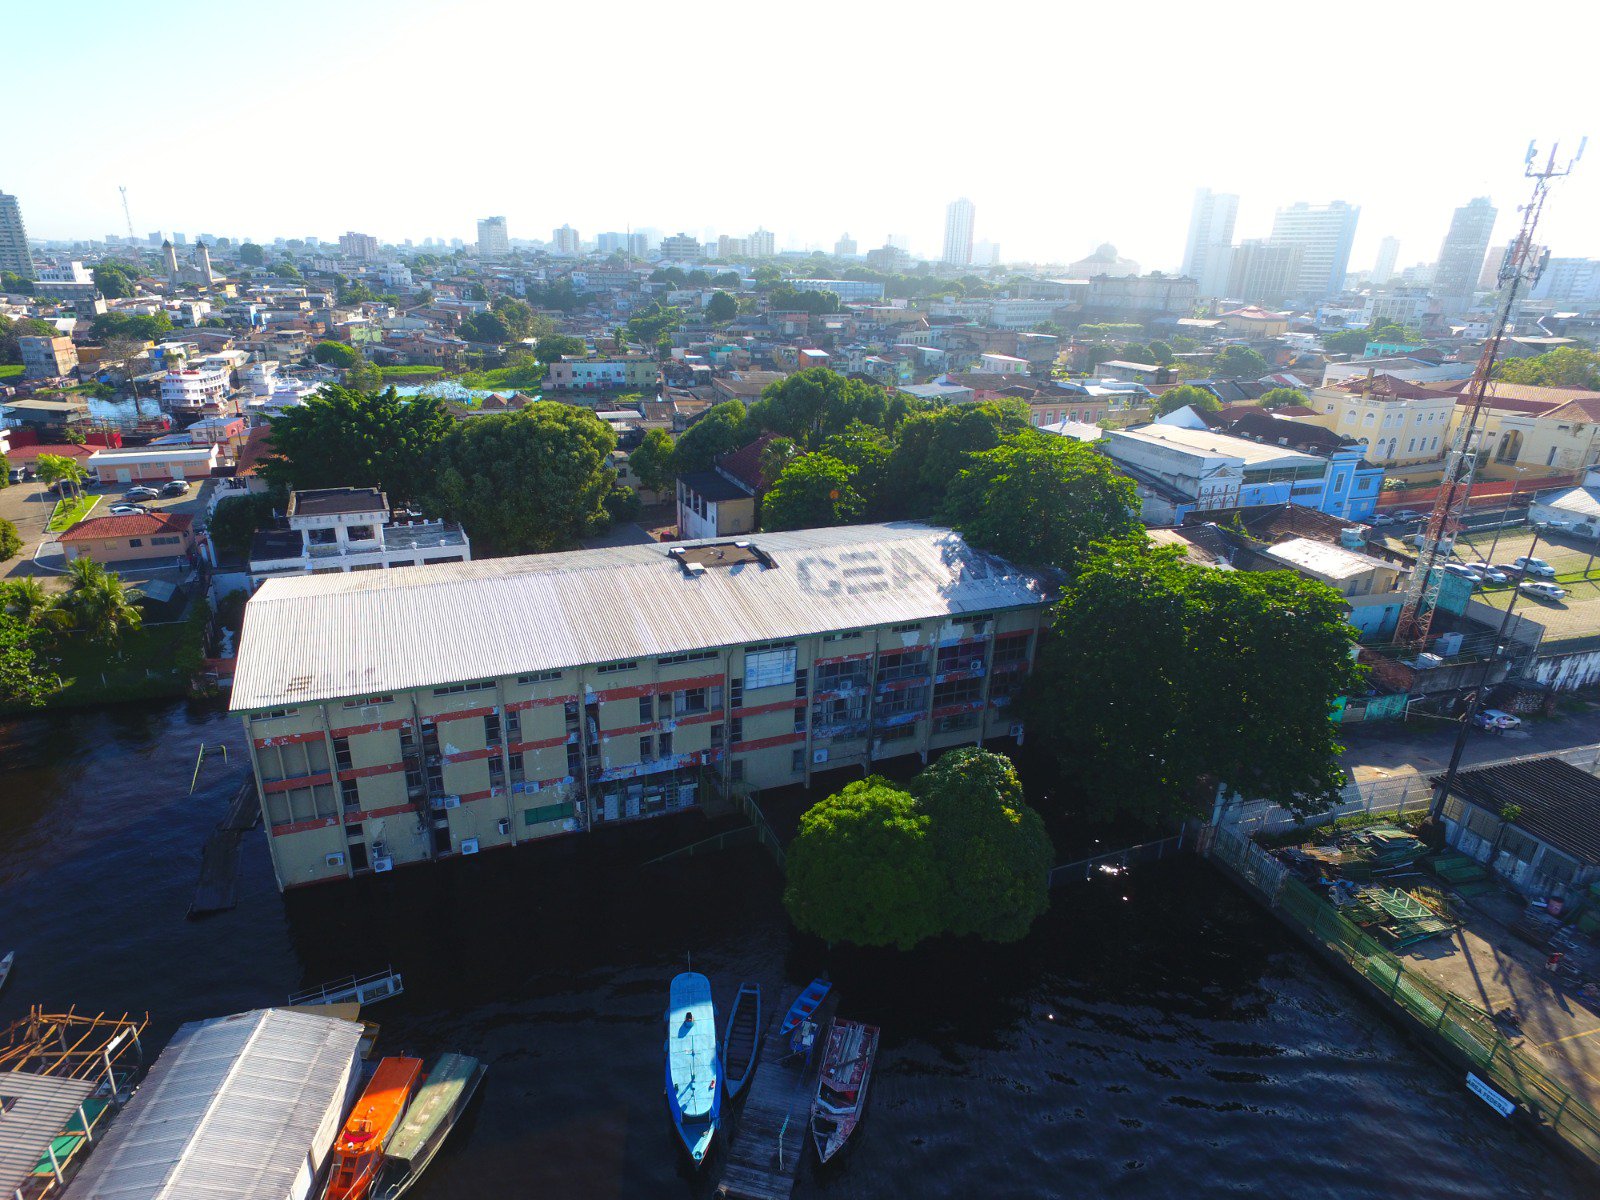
x,y
1494,718
1381,519
1408,514
1464,571
176,488
1535,566
1509,570
1488,573
141,493
18,474
127,510
1541,590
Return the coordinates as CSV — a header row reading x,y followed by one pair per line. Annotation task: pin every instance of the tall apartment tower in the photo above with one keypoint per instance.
x,y
565,240
762,244
1324,233
14,253
1210,246
845,247
958,218
1462,253
1388,256
492,239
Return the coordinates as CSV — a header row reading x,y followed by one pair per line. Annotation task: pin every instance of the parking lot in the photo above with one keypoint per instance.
x,y
1577,614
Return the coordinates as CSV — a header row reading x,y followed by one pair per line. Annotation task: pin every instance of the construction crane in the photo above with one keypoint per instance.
x,y
1520,269
126,215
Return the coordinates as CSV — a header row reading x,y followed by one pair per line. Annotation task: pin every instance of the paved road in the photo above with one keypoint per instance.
x,y
1387,748
28,506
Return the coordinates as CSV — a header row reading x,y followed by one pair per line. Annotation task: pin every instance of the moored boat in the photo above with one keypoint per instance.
x,y
741,1040
842,1085
358,1153
694,1093
805,1004
427,1123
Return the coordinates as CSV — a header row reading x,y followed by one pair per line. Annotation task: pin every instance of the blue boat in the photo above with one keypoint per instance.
x,y
694,1092
805,1004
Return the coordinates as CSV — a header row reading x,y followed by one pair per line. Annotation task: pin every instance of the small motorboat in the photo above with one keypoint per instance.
x,y
842,1085
741,1040
427,1123
694,1092
805,1004
5,966
358,1153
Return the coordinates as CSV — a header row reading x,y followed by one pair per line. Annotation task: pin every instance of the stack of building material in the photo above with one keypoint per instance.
x,y
1457,868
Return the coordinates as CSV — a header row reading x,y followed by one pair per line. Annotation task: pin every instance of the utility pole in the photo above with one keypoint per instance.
x,y
1521,268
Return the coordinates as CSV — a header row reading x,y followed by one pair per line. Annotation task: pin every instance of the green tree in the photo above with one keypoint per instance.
x,y
651,461
484,327
1192,678
10,541
1186,395
654,323
252,255
341,437
989,846
23,679
721,308
672,276
5,472
526,482
237,520
113,326
1238,362
518,315
58,468
727,280
287,270
723,427
112,281
554,346
102,607
335,354
26,600
931,448
1041,501
1282,397
1565,366
13,328
362,376
788,299
14,283
811,492
865,451
813,405
1161,352
861,869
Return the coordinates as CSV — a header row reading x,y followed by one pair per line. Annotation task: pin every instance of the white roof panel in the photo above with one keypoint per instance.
x,y
37,1110
322,637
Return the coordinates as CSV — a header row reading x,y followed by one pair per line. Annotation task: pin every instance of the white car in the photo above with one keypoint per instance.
x,y
1489,574
1494,718
1534,566
1541,590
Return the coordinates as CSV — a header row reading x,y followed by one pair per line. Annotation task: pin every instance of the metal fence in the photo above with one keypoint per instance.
x,y
1469,1030
1117,861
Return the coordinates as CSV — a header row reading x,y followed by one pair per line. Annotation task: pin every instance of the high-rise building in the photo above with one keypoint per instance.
x,y
986,254
1462,253
680,247
564,240
1324,234
1263,271
1568,281
731,247
492,239
845,247
14,253
1388,255
958,221
610,243
761,244
1210,244
639,244
355,245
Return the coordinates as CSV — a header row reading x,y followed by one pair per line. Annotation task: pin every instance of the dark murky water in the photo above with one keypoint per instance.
x,y
1155,1036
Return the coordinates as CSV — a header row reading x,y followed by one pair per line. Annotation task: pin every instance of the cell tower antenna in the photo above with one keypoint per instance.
x,y
1519,269
126,215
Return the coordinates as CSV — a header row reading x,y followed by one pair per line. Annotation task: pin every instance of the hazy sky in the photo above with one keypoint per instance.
x,y
1067,124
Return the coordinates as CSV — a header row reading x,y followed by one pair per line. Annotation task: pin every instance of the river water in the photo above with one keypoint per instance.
x,y
1155,1036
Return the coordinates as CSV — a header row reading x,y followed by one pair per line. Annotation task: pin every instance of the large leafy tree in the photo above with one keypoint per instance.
x,y
865,450
651,461
336,354
989,846
102,607
558,345
1041,500
236,521
812,405
811,492
650,325
1167,679
931,449
114,280
252,255
10,541
1238,362
24,681
341,437
1186,395
27,601
1565,366
721,308
1282,397
526,482
861,869
485,327
12,328
113,326
723,427
788,299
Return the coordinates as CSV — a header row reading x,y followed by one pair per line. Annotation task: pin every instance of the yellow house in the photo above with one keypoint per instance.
x,y
1535,430
1399,423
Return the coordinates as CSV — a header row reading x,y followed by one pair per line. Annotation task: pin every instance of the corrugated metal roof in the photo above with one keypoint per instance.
x,y
37,1108
323,637
229,1111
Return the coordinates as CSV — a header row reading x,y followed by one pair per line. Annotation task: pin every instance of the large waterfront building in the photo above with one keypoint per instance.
x,y
1465,246
14,253
1324,233
1210,244
408,715
958,221
492,239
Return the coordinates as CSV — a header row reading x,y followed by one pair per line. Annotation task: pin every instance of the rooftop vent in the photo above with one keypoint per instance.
x,y
698,559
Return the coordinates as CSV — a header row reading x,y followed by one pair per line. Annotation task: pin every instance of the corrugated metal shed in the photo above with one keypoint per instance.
x,y
333,636
36,1109
237,1108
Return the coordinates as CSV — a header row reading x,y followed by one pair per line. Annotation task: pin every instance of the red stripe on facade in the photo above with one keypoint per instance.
x,y
469,797
305,826
756,710
372,814
893,650
955,710
650,689
299,781
788,739
287,739
369,772
461,756
823,662
540,744
542,702
379,727
465,714
697,718
1013,636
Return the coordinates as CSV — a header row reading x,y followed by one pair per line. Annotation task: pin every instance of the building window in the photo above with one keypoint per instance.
x,y
165,541
688,656
800,684
735,692
716,734
958,691
341,753
491,729
514,725
736,729
482,685
902,666
359,533
646,748
363,701
612,668
690,700
797,761
1011,649
350,792
647,709
539,677
769,668
516,768
847,635
913,627
135,542
799,720
665,748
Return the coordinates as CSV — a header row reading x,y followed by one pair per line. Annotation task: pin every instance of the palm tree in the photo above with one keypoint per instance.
x,y
27,601
101,606
54,468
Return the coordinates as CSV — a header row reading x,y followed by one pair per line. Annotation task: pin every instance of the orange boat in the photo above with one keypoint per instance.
x,y
358,1153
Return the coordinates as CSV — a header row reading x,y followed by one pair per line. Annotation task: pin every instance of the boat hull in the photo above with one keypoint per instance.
x,y
396,1175
358,1152
805,1004
741,1040
842,1082
694,1090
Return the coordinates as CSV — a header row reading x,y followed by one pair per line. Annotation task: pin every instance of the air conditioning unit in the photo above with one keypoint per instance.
x,y
451,802
334,860
380,865
820,756
1016,731
502,826
469,846
976,665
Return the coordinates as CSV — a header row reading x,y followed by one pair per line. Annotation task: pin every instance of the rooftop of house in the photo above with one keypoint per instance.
x,y
133,525
1325,561
1203,545
1389,387
744,464
1209,442
1560,804
333,502
712,487
1277,427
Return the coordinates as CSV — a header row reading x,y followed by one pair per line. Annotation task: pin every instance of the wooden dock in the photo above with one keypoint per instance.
x,y
219,860
773,1127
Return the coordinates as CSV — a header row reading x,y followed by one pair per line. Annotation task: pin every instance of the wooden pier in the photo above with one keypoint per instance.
x,y
219,860
773,1127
